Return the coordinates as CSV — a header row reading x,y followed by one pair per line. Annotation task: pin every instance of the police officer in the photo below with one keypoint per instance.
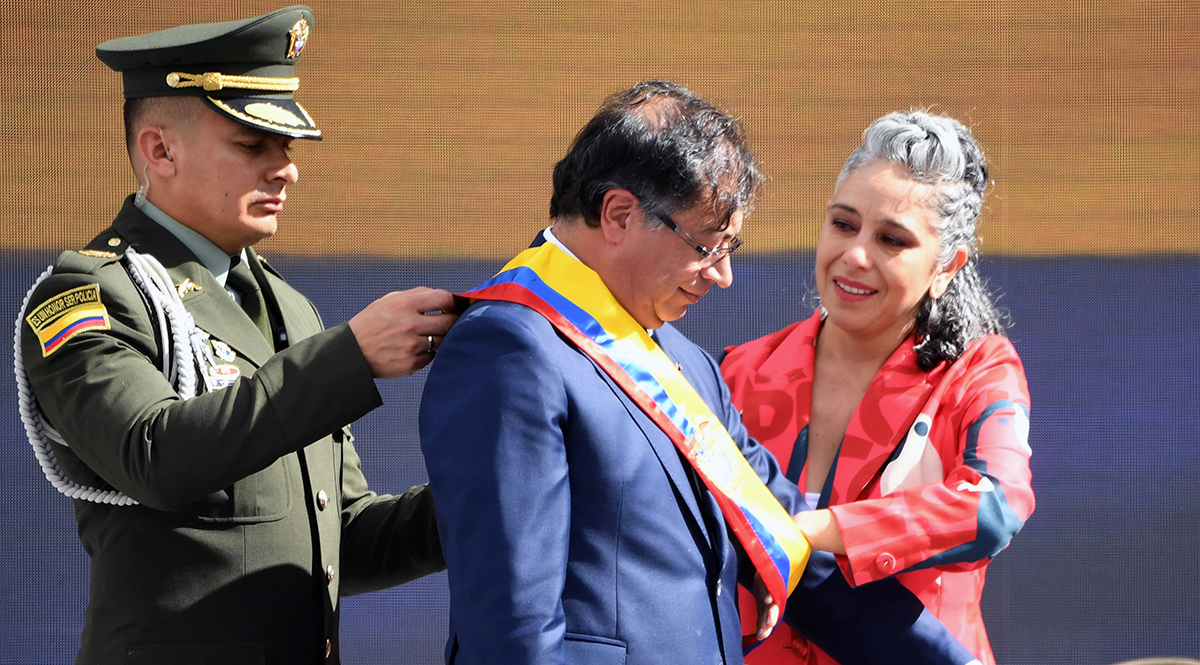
x,y
191,401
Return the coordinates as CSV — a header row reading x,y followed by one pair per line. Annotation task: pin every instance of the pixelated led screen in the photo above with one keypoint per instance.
x,y
442,121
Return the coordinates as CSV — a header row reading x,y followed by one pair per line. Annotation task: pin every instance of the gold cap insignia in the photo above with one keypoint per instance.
x,y
272,113
297,36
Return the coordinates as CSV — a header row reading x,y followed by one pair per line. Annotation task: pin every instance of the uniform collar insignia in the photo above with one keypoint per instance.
x,y
186,286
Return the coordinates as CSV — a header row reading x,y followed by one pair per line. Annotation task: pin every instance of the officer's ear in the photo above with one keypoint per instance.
x,y
154,151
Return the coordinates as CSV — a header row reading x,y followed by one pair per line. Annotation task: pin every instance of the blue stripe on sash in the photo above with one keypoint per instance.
x,y
778,555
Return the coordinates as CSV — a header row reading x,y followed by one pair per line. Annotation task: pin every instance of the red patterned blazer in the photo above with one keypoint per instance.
x,y
931,481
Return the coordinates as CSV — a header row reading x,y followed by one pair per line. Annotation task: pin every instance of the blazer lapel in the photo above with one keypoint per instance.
x,y
777,400
880,422
668,455
212,308
708,506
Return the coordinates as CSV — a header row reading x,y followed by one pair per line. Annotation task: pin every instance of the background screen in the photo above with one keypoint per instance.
x,y
442,121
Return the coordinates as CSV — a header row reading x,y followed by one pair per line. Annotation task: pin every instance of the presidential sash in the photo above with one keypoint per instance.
x,y
576,302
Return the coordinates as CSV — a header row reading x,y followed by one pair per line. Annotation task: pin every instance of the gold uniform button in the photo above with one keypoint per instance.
x,y
322,499
329,574
113,242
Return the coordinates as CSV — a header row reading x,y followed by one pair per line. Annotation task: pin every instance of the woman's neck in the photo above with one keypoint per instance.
x,y
859,349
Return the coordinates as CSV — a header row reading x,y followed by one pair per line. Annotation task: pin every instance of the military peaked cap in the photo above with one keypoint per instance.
x,y
244,70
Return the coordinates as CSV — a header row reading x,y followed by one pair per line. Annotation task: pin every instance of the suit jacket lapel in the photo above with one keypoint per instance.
x,y
708,504
668,455
213,310
880,422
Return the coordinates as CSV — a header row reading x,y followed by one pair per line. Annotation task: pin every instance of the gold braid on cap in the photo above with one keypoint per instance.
x,y
215,81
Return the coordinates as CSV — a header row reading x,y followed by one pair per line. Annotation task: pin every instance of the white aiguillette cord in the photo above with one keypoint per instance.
x,y
184,351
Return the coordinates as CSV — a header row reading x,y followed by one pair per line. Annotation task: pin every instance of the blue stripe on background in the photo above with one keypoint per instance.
x,y
1104,570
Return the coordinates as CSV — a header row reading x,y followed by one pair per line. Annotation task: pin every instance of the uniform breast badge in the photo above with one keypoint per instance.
x,y
223,351
222,376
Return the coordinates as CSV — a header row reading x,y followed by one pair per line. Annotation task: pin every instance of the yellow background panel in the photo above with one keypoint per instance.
x,y
443,119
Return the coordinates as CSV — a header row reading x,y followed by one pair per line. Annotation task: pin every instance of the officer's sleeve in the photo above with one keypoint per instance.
x,y
104,392
882,623
386,540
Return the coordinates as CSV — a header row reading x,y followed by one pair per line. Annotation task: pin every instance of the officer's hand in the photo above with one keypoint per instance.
x,y
396,334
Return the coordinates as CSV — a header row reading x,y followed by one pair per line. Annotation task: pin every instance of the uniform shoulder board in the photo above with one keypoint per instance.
x,y
97,254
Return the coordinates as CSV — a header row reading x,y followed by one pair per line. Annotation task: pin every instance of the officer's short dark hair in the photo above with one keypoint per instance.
x,y
664,144
140,110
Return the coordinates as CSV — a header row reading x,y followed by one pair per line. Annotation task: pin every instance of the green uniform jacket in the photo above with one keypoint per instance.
x,y
254,513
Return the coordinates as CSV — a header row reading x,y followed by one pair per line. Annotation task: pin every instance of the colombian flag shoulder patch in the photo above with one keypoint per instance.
x,y
67,314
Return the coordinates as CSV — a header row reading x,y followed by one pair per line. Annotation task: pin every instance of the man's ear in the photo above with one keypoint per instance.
x,y
618,211
941,281
153,151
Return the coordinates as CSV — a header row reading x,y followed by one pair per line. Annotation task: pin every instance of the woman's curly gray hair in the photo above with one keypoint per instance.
x,y
941,152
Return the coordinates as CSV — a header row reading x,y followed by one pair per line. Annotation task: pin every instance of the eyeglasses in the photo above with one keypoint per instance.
x,y
704,252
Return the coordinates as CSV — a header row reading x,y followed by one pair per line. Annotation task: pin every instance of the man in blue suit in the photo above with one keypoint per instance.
x,y
574,528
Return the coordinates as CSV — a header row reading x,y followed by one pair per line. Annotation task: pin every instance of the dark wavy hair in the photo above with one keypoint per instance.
x,y
664,144
940,151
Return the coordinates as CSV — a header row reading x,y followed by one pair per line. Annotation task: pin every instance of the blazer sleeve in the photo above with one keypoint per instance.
x,y
985,497
103,391
492,430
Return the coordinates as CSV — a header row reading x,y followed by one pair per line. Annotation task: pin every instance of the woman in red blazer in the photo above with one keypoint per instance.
x,y
899,407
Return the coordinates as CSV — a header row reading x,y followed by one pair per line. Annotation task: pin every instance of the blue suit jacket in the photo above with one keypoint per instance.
x,y
573,530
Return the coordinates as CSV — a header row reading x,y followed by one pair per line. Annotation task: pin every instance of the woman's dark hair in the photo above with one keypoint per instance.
x,y
664,144
941,152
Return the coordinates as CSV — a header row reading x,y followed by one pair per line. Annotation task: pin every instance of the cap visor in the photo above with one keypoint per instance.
x,y
278,116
